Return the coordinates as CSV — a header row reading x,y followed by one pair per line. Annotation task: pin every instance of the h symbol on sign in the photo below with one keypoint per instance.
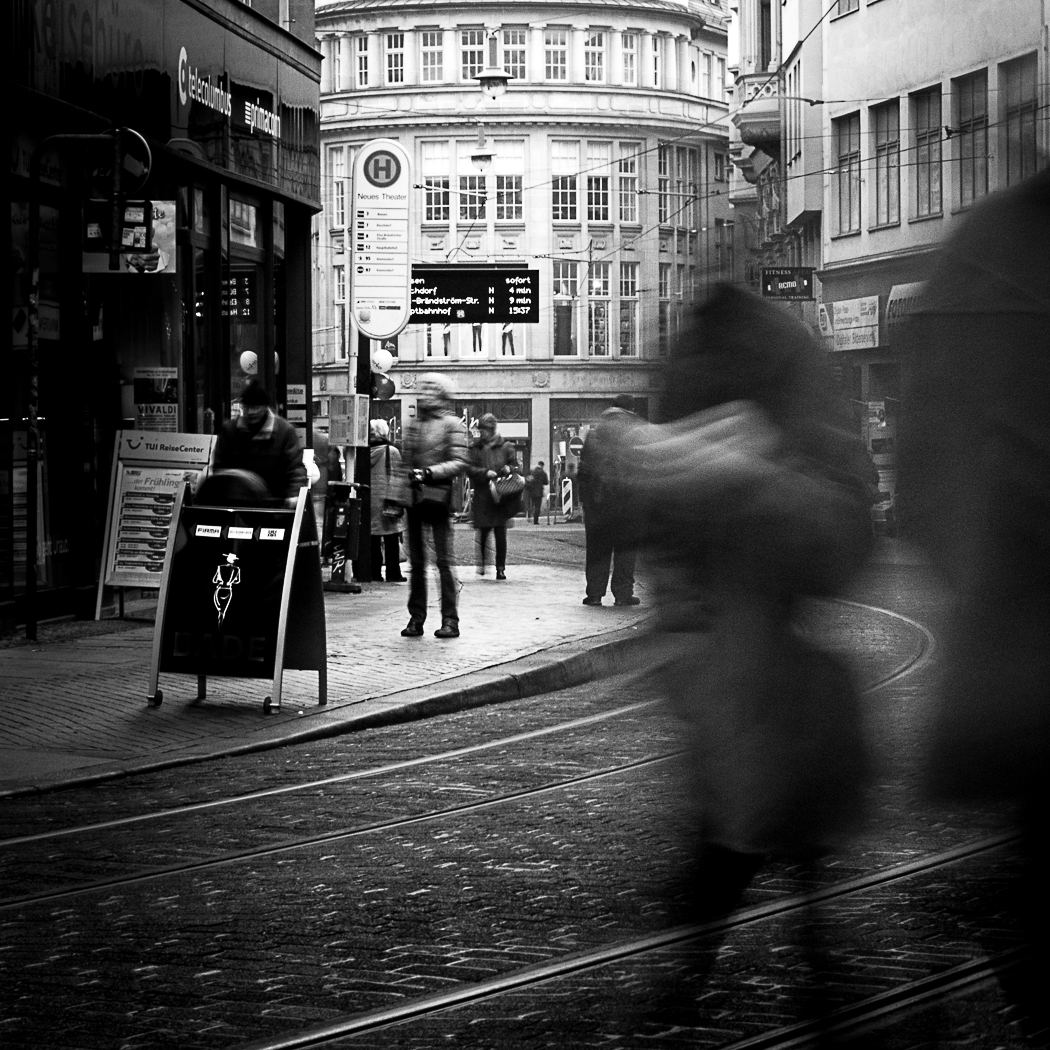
x,y
383,169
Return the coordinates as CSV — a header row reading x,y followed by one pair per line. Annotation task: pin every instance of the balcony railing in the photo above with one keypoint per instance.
x,y
756,111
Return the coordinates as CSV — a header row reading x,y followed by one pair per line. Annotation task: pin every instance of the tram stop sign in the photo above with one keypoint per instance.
x,y
380,271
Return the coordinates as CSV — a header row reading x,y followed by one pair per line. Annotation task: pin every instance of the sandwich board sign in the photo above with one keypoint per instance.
x,y
240,597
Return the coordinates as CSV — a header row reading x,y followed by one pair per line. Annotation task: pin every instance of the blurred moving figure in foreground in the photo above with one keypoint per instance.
x,y
757,498
974,484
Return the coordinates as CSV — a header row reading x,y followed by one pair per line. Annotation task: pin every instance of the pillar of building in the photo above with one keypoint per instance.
x,y
670,63
537,54
615,53
411,60
375,60
346,63
577,40
645,60
326,65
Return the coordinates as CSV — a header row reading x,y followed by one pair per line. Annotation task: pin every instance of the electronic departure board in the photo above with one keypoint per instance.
x,y
472,295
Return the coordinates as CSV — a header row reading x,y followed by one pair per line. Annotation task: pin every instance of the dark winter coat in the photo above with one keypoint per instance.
x,y
386,484
496,456
274,453
604,479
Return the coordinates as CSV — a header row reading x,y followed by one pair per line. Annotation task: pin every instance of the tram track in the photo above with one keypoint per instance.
x,y
866,1011
912,664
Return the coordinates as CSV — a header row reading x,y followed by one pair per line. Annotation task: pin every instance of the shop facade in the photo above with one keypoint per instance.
x,y
226,102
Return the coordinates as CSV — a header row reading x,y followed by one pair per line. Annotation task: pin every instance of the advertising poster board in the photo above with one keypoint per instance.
x,y
161,256
156,393
149,472
241,597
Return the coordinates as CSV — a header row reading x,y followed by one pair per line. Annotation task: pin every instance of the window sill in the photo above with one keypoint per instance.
x,y
846,235
885,226
932,217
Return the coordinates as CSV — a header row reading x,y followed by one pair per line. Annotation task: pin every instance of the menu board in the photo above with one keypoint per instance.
x,y
149,471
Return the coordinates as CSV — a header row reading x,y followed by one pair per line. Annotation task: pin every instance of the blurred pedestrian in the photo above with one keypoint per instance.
x,y
260,441
756,499
606,492
974,493
387,503
434,454
536,482
491,458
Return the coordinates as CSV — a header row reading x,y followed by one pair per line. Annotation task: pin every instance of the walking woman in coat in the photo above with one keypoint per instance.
x,y
386,486
757,498
491,457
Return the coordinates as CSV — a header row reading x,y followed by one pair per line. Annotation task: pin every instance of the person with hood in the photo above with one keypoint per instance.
x,y
385,502
606,495
755,500
490,458
434,455
260,442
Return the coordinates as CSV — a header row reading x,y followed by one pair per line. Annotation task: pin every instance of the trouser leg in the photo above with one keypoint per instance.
x,y
623,561
443,549
500,533
417,570
392,556
598,560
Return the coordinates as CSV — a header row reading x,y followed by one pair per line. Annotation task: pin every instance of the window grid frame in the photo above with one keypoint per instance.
x,y
970,95
555,54
847,151
509,198
395,57
594,57
515,67
1020,113
886,139
431,56
928,173
471,53
437,198
473,198
629,54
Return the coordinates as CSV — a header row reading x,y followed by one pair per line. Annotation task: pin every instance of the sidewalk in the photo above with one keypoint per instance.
x,y
75,711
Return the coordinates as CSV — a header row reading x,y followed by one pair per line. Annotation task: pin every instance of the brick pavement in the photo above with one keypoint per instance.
x,y
75,711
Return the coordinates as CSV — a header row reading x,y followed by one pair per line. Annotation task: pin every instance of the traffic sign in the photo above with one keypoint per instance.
x,y
379,237
472,295
576,445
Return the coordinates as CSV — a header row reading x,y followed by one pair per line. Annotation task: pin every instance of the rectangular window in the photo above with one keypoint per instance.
x,y
847,150
395,58
658,45
598,310
432,64
472,53
886,122
340,283
720,79
971,118
628,182
927,110
565,163
337,67
720,167
594,58
361,61
707,74
663,183
845,6
514,48
599,155
338,161
436,194
663,327
556,54
565,279
1018,79
508,197
471,198
630,58
564,300
628,309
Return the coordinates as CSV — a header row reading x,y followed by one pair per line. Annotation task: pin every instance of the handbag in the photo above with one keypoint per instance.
x,y
507,486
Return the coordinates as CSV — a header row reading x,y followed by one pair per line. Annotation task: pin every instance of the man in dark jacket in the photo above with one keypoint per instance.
x,y
259,441
535,484
608,505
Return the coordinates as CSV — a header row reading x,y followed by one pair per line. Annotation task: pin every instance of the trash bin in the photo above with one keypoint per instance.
x,y
342,526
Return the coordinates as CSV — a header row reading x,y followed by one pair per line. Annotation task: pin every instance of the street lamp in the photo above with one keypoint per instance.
x,y
493,81
481,156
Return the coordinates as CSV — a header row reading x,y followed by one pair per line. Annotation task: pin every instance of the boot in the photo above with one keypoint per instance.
x,y
413,630
448,629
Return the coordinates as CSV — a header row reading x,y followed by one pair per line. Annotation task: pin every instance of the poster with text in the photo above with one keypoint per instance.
x,y
156,392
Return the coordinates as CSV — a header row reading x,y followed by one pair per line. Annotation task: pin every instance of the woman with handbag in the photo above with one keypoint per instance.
x,y
387,512
494,477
